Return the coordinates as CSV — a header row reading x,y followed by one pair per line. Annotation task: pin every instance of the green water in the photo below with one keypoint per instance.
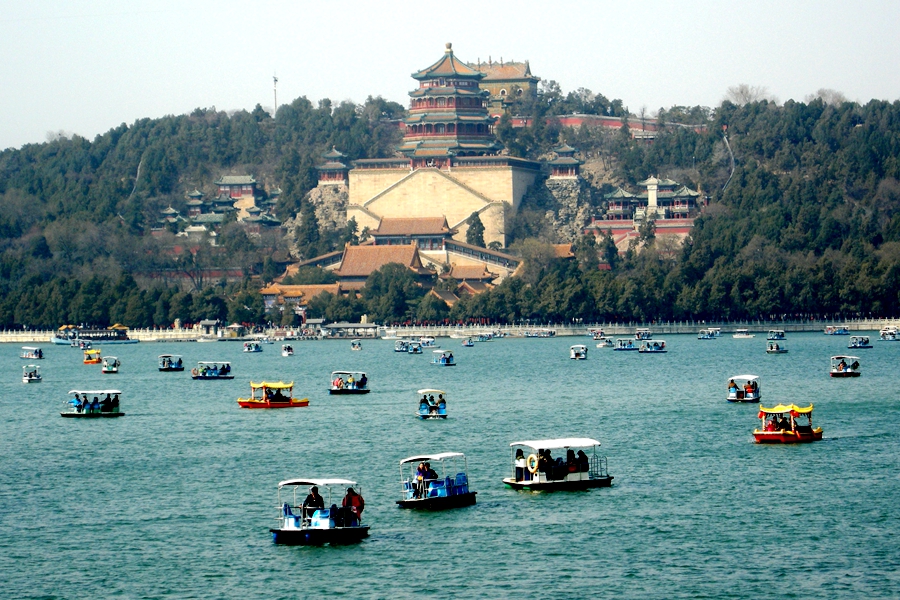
x,y
176,498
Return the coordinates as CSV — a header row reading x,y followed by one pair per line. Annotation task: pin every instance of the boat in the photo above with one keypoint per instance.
x,y
401,346
597,335
889,334
653,347
428,342
605,343
414,347
432,404
743,334
252,347
468,343
272,395
170,362
716,331
776,334
31,374
92,357
706,334
837,330
93,404
356,345
625,345
578,352
212,370
83,344
786,424
859,341
540,471
322,522
484,337
443,358
435,489
74,336
31,353
642,333
111,365
349,382
845,366
776,347
743,388
287,350
540,333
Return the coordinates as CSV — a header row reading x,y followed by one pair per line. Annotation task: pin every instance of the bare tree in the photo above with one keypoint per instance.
x,y
828,96
743,93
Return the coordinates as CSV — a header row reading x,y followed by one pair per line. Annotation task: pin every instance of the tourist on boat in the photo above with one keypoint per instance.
x,y
338,383
583,463
748,389
313,501
115,403
732,387
784,424
95,405
571,463
442,404
351,383
420,477
363,380
520,465
423,404
353,505
430,474
770,424
842,366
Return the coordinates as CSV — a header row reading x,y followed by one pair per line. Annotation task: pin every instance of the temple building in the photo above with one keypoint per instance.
x,y
450,163
506,83
334,170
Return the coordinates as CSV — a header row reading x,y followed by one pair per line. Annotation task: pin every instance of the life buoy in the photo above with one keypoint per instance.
x,y
532,463
194,372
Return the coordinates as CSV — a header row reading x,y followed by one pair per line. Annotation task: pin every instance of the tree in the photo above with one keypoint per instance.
x,y
475,232
743,93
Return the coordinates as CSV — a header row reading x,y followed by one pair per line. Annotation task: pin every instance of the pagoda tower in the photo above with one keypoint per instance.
x,y
448,115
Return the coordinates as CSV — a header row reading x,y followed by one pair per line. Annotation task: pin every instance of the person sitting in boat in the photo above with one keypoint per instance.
x,y
571,463
441,403
430,474
520,465
363,380
423,405
842,366
583,463
420,477
115,403
95,405
353,505
784,424
338,383
770,424
351,383
106,404
545,462
178,363
855,365
312,503
732,387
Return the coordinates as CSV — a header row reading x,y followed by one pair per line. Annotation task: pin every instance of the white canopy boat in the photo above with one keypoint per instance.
x,y
31,374
321,521
541,471
432,404
578,352
427,488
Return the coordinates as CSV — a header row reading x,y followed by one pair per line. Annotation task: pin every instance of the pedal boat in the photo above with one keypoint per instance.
x,y
781,431
578,352
92,357
889,334
93,404
252,347
414,347
401,346
432,404
468,343
111,365
776,347
625,345
743,334
775,334
605,343
642,333
272,395
859,341
323,525
654,347
442,358
845,366
31,353
212,370
449,490
287,350
540,471
837,330
356,345
341,383
31,374
170,362
706,334
743,388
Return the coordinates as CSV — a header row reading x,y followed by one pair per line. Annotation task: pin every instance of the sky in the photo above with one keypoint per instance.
x,y
86,67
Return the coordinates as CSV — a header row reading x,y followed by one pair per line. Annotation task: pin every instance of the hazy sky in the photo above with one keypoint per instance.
x,y
85,67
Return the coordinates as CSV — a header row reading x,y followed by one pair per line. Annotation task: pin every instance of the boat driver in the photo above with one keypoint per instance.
x,y
313,502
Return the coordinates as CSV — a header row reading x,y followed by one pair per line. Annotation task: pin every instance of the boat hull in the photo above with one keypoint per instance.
x,y
93,415
431,416
201,377
165,369
787,437
31,380
264,404
845,374
439,503
346,392
776,351
561,485
318,537
68,342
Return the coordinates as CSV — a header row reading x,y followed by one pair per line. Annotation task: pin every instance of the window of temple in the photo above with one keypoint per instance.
x,y
503,92
442,102
439,128
451,128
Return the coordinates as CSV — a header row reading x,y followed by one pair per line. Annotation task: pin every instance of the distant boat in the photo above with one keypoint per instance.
x,y
31,374
743,334
578,352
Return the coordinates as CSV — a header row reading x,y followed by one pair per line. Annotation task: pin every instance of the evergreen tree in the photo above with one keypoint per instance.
x,y
475,232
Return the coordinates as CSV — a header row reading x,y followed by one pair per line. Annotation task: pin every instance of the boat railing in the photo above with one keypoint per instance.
x,y
598,467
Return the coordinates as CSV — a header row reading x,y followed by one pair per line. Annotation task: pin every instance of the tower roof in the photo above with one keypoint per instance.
x,y
448,66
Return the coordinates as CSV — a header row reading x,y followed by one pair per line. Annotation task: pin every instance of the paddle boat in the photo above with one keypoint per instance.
x,y
468,343
356,345
424,487
653,347
318,521
287,350
31,374
625,345
775,334
540,471
428,342
642,333
83,344
743,334
93,404
845,366
484,337
859,341
212,370
786,424
414,347
31,353
578,352
706,334
170,362
541,333
432,404
743,388
889,334
716,331
605,343
776,347
92,357
442,358
597,335
252,347
349,382
111,365
837,330
272,395
401,346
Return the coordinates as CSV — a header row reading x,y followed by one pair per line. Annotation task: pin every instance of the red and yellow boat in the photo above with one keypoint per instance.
x,y
272,395
786,424
92,357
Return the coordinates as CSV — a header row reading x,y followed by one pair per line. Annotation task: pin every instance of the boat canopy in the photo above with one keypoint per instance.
x,y
786,408
744,377
581,346
30,348
431,391
214,362
558,443
844,358
31,367
308,481
442,351
336,373
272,386
169,356
429,457
94,392
92,352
